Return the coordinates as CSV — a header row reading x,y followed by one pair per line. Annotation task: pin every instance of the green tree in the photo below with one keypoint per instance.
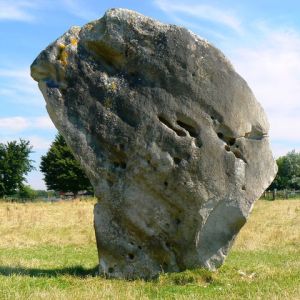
x,y
61,170
14,165
26,192
288,176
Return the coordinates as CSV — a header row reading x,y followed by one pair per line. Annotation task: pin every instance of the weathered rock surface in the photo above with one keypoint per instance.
x,y
171,137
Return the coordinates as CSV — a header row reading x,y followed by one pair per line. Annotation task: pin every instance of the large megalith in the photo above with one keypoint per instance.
x,y
171,137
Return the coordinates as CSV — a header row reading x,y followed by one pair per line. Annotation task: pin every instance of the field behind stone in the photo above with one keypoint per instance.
x,y
48,251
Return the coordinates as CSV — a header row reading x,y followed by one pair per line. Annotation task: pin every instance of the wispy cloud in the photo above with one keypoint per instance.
x,y
43,122
81,9
14,124
17,10
37,142
26,10
200,12
20,124
267,56
35,180
17,86
272,69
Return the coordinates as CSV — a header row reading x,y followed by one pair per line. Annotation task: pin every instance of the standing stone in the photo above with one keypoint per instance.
x,y
171,137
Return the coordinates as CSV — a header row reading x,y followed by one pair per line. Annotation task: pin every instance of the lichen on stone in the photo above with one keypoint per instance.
x,y
62,54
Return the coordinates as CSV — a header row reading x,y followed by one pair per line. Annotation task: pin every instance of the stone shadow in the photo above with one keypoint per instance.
x,y
77,271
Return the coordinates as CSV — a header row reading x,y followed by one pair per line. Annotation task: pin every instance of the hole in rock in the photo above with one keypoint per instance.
x,y
170,126
177,160
130,256
110,182
255,134
227,139
177,221
231,141
121,164
168,244
190,129
166,183
140,247
220,135
165,266
239,155
227,148
244,188
198,143
110,270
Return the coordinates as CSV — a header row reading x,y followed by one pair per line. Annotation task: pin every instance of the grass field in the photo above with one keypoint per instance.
x,y
47,251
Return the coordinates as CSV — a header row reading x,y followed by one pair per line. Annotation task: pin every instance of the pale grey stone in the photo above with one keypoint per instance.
x,y
171,137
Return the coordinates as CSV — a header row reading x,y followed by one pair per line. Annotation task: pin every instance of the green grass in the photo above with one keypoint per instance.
x,y
47,251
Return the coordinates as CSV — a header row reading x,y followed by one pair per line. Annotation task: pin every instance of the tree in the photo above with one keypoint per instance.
x,y
14,165
26,192
62,172
288,176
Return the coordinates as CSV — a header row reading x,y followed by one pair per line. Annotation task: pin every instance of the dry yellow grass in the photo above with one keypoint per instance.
x,y
271,225
71,223
47,251
59,223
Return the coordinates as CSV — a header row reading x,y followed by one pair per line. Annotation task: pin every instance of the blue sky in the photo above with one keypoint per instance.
x,y
261,38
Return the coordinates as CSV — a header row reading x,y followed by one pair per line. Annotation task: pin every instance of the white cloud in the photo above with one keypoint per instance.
x,y
43,122
285,127
17,10
35,180
267,57
200,11
39,143
272,69
20,124
14,124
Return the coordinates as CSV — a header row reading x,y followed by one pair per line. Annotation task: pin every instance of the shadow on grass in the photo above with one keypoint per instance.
x,y
77,271
182,278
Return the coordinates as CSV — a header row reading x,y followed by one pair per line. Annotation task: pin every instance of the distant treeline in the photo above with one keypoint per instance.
x,y
63,175
281,194
29,194
288,176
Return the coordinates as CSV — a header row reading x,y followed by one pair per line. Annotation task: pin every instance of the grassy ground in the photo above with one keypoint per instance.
x,y
47,251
